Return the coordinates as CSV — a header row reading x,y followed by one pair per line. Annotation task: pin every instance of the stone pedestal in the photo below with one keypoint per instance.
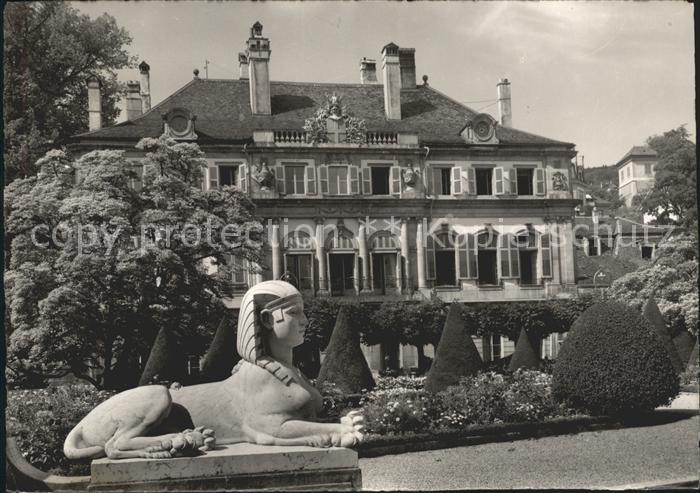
x,y
241,466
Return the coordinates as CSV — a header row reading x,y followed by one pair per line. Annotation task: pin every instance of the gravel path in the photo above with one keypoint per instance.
x,y
595,459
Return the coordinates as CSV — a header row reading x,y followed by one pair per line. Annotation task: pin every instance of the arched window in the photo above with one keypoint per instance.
x,y
298,260
441,257
385,266
343,265
487,257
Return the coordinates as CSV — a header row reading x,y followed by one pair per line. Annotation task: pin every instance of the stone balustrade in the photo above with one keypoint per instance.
x,y
290,137
382,138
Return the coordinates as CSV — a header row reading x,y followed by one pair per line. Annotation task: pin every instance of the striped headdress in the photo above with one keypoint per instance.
x,y
251,341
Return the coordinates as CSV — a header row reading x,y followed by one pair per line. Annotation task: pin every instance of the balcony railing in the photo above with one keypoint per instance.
x,y
382,138
301,138
290,137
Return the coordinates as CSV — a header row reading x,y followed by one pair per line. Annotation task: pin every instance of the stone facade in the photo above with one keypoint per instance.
x,y
377,190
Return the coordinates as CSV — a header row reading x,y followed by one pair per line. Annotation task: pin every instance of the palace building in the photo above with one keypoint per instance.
x,y
382,189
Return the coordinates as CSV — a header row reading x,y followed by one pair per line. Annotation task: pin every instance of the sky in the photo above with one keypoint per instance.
x,y
603,75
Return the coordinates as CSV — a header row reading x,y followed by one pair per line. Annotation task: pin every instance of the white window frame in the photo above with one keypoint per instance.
x,y
212,173
307,163
533,179
366,166
484,166
349,167
440,165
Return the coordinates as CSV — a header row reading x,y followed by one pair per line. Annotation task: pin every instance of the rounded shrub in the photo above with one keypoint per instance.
x,y
612,363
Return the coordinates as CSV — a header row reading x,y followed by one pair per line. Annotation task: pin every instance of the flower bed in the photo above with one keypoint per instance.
x,y
401,406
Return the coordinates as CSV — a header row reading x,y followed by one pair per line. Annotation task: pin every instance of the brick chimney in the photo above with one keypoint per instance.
x,y
391,74
407,62
504,111
258,53
368,71
94,104
133,100
145,71
242,66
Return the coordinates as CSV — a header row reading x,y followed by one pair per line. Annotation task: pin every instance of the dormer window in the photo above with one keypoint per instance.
x,y
178,124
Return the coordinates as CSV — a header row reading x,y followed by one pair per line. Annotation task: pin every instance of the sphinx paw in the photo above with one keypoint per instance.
x,y
320,441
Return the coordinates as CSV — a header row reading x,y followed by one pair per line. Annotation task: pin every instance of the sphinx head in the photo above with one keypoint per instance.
x,y
270,310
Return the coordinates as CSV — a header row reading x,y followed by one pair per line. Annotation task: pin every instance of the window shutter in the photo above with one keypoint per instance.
x,y
430,257
243,178
471,181
513,178
546,247
310,180
354,181
462,253
395,188
323,178
456,180
499,181
366,180
281,185
540,188
213,177
471,250
514,261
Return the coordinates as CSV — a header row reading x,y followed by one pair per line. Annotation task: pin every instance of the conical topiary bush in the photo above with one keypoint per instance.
x,y
456,355
166,363
652,313
685,342
344,364
221,356
525,357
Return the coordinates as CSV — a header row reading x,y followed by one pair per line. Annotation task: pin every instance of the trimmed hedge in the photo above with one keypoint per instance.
x,y
613,364
653,315
166,363
222,355
344,364
456,355
525,357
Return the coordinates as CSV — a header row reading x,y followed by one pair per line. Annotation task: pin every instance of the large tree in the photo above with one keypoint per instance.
x,y
671,279
99,268
672,199
49,51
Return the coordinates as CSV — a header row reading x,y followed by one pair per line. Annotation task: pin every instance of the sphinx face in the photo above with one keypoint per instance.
x,y
289,325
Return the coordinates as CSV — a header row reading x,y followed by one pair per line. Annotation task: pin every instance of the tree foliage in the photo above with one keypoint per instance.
x,y
671,279
672,199
49,51
109,266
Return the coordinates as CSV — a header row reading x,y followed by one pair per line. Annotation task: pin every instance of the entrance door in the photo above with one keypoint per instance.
x,y
384,272
341,273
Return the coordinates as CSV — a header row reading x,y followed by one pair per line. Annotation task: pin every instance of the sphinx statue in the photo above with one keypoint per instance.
x,y
266,400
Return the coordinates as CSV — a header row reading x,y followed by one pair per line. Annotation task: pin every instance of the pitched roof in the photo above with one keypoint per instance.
x,y
637,151
223,112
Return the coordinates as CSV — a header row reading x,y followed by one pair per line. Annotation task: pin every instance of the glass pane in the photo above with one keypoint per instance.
x,y
227,175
